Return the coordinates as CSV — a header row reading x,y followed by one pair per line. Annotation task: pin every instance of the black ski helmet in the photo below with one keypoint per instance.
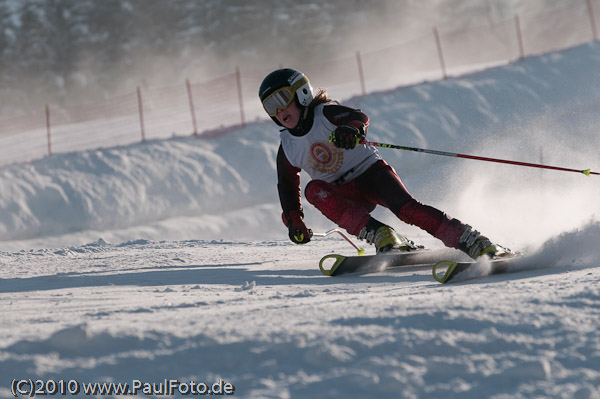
x,y
296,83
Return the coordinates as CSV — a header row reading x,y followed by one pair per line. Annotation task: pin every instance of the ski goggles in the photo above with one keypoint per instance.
x,y
282,98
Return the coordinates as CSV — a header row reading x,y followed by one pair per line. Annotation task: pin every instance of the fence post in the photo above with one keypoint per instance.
x,y
361,74
438,43
141,111
238,76
48,130
519,37
192,110
592,19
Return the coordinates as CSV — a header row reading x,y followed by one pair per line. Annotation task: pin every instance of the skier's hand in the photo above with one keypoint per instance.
x,y
298,232
346,137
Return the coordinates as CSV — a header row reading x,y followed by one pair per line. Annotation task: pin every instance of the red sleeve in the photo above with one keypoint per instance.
x,y
288,183
342,115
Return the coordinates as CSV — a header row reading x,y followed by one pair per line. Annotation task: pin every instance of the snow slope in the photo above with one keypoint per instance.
x,y
167,259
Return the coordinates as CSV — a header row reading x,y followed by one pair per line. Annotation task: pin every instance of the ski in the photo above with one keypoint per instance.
x,y
336,265
448,270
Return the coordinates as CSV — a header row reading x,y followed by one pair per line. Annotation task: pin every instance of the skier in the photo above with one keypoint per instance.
x,y
349,179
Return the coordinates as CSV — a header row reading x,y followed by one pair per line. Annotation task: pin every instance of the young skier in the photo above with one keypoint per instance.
x,y
349,179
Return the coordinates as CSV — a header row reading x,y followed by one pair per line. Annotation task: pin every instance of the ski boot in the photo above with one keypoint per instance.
x,y
475,245
384,237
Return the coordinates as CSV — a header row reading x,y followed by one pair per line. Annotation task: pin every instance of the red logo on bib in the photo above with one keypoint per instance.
x,y
325,157
321,153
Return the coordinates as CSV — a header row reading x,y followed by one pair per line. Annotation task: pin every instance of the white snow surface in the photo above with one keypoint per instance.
x,y
168,260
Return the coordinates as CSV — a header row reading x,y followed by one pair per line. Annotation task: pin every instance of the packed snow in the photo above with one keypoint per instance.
x,y
167,260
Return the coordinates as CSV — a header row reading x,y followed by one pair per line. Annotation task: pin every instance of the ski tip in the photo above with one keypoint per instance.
x,y
448,267
329,271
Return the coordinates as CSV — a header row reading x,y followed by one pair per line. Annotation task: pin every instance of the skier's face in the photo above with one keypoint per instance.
x,y
289,116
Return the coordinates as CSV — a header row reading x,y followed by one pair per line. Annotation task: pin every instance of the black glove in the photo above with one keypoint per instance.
x,y
346,137
298,232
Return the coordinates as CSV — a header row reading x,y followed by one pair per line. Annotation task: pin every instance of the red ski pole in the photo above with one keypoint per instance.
x,y
586,172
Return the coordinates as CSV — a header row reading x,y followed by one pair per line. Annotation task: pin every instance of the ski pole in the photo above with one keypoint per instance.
x,y
586,172
359,250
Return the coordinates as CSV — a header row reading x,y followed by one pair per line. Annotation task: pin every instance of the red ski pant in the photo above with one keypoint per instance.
x,y
349,205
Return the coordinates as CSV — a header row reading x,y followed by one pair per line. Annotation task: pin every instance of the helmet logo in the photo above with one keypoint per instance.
x,y
264,91
292,78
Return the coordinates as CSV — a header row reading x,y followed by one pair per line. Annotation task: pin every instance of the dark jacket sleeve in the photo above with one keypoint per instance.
x,y
288,183
341,115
